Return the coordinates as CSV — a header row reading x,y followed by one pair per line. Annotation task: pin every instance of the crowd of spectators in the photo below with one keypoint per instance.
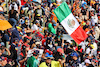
x,y
36,37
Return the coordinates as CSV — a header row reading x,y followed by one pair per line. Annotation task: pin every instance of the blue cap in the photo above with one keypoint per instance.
x,y
22,21
84,4
54,24
2,44
48,55
74,54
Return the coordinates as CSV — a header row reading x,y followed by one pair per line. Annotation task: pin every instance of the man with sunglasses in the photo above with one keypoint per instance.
x,y
49,62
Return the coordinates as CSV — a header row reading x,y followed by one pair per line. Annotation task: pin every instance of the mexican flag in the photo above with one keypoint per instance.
x,y
70,23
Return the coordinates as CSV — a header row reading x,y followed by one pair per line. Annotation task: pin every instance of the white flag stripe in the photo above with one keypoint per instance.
x,y
66,26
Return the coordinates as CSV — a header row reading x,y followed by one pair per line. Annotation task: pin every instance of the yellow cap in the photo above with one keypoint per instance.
x,y
26,21
92,46
18,27
54,4
38,15
3,5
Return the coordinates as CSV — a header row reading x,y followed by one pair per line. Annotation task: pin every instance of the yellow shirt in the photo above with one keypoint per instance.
x,y
53,64
92,2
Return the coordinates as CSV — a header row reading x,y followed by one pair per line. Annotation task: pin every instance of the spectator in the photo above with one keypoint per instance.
x,y
35,26
14,49
13,16
87,63
32,61
23,56
50,62
14,5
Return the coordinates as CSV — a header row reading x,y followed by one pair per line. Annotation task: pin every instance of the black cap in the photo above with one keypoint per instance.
x,y
23,16
23,47
66,42
15,39
36,52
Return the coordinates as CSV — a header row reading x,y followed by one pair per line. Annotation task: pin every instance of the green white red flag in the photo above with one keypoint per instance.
x,y
70,23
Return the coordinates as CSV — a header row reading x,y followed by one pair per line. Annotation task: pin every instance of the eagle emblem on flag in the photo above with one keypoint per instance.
x,y
71,23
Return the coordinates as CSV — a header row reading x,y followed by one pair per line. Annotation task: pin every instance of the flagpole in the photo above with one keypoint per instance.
x,y
7,19
48,11
7,8
71,2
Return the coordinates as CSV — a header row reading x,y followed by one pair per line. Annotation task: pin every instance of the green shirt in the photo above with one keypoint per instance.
x,y
51,29
32,62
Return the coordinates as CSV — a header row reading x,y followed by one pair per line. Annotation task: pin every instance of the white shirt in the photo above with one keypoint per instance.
x,y
83,45
19,2
94,19
15,7
88,50
1,9
95,46
97,32
59,0
84,66
34,27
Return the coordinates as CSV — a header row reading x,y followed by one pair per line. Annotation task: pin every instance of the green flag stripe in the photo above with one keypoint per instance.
x,y
62,11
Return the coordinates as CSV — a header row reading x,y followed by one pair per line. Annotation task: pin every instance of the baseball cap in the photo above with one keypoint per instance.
x,y
2,44
38,15
48,56
87,61
15,39
18,27
66,42
38,43
54,4
36,21
92,9
22,21
74,54
60,50
36,52
54,24
24,46
13,3
98,52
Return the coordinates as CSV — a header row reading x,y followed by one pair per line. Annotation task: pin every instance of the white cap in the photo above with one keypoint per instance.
x,y
92,9
38,43
77,17
98,24
87,61
99,53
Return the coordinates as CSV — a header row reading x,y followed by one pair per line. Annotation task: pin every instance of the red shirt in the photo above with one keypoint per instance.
x,y
23,2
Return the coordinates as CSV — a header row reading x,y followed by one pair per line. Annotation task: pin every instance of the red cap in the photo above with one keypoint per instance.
x,y
27,45
60,50
33,31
